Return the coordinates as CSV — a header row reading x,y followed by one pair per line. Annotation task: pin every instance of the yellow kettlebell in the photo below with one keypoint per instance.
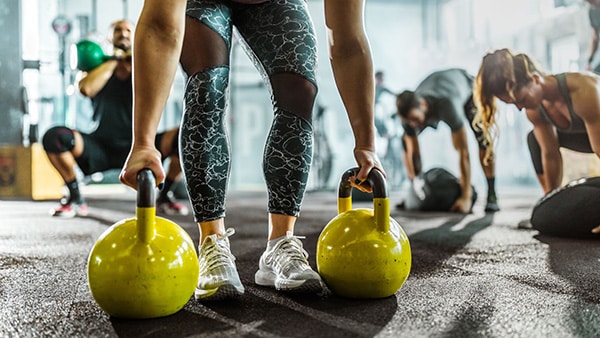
x,y
145,266
363,253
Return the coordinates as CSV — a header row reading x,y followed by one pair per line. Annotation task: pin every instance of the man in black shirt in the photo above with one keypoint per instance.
x,y
109,86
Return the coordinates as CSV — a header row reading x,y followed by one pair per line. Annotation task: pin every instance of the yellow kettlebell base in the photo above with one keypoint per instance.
x,y
358,260
133,278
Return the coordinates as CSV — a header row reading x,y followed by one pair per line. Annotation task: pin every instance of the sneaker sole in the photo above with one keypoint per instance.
x,y
492,208
71,214
223,292
263,278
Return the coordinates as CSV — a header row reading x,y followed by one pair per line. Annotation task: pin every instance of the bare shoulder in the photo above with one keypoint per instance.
x,y
584,88
587,81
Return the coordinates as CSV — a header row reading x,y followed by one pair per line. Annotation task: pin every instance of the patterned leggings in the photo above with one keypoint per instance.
x,y
279,37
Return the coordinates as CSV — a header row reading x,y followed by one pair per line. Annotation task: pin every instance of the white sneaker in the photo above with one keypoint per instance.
x,y
218,277
285,267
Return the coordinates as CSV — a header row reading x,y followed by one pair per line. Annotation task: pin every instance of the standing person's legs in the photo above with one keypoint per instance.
x,y
288,59
205,156
489,166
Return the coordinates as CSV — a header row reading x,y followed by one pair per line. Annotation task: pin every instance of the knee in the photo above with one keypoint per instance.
x,y
294,93
58,140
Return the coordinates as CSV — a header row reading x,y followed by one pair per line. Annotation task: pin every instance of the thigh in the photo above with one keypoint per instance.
x,y
94,156
570,211
279,36
207,39
577,142
99,155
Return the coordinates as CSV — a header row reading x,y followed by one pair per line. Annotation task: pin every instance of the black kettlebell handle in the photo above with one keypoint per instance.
x,y
145,189
375,180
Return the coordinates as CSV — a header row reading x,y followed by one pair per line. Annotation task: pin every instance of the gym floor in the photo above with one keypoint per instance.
x,y
477,275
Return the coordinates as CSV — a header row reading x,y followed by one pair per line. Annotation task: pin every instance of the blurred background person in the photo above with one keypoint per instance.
x,y
109,86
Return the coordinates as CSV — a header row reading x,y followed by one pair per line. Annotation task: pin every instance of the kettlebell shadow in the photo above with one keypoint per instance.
x,y
576,261
372,314
315,315
432,247
181,324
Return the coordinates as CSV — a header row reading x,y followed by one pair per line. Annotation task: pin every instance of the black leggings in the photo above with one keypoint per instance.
x,y
569,211
574,141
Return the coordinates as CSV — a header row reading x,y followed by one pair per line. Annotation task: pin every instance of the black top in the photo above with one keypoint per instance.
x,y
577,124
113,109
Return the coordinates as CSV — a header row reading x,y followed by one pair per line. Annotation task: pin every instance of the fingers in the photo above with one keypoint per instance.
x,y
128,175
460,207
142,159
363,174
596,230
360,185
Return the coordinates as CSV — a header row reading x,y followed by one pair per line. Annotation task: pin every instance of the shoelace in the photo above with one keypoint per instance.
x,y
289,251
218,253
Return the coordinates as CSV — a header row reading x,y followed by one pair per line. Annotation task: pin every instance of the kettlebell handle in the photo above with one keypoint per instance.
x,y
375,180
381,201
145,189
146,206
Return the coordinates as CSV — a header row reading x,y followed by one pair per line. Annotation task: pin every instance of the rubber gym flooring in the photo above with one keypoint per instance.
x,y
477,275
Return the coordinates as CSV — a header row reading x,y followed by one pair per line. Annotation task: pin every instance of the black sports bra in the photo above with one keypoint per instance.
x,y
577,124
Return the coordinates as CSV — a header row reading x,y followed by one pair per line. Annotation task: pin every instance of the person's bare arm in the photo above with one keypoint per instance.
x,y
93,81
352,65
593,48
157,47
585,95
459,140
412,154
545,134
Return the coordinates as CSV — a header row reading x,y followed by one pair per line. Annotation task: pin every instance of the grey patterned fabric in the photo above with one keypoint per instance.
x,y
286,162
279,37
205,153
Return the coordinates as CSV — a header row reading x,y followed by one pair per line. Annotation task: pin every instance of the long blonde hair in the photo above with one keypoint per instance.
x,y
501,73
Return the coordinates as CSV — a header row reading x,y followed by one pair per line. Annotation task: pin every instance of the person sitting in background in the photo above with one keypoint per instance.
x,y
564,109
446,95
109,86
